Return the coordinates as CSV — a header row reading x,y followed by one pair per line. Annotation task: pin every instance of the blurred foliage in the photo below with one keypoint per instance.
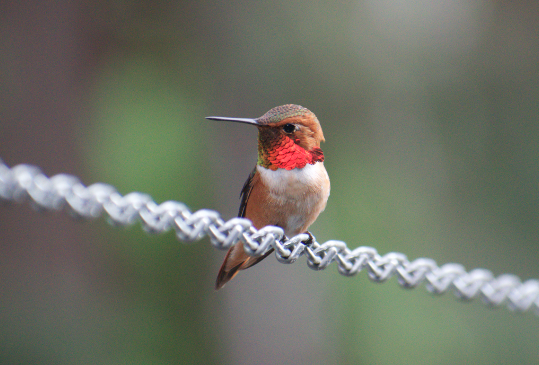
x,y
145,136
430,114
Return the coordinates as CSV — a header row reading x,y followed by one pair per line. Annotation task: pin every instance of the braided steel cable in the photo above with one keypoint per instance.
x,y
27,183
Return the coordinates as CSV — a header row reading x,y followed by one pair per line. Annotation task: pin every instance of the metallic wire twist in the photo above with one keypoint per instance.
x,y
27,183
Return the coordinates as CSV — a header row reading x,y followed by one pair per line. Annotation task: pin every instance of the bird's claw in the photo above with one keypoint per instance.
x,y
310,240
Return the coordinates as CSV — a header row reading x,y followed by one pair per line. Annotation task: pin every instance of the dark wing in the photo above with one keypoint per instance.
x,y
236,259
245,193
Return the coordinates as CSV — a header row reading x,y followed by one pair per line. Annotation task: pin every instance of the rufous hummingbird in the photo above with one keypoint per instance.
x,y
289,186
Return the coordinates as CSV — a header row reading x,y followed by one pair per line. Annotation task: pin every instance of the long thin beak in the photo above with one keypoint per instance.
x,y
237,120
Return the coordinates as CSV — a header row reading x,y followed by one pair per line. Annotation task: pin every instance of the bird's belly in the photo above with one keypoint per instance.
x,y
294,198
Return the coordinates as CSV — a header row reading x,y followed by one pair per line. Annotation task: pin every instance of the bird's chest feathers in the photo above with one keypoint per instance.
x,y
306,186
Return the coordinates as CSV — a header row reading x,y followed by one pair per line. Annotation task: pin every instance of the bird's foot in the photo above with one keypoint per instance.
x,y
310,240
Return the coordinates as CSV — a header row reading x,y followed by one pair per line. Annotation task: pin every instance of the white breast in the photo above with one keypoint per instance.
x,y
283,182
301,193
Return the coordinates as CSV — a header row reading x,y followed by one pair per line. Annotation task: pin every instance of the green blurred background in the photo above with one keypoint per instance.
x,y
430,112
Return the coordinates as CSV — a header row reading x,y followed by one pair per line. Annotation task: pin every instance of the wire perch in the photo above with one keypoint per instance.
x,y
65,192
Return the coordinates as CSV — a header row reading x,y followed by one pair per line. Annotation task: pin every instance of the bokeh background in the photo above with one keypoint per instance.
x,y
431,115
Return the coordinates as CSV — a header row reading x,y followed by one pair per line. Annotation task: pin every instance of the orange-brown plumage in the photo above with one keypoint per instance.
x,y
289,186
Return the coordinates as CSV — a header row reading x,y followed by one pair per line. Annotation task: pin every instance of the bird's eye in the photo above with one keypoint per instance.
x,y
289,128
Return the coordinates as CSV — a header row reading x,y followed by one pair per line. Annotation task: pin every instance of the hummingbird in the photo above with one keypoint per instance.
x,y
289,185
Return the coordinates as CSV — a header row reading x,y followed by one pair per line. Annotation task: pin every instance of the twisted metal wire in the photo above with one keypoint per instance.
x,y
27,183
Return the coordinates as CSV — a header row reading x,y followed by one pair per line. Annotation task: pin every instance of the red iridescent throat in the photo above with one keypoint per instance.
x,y
285,153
